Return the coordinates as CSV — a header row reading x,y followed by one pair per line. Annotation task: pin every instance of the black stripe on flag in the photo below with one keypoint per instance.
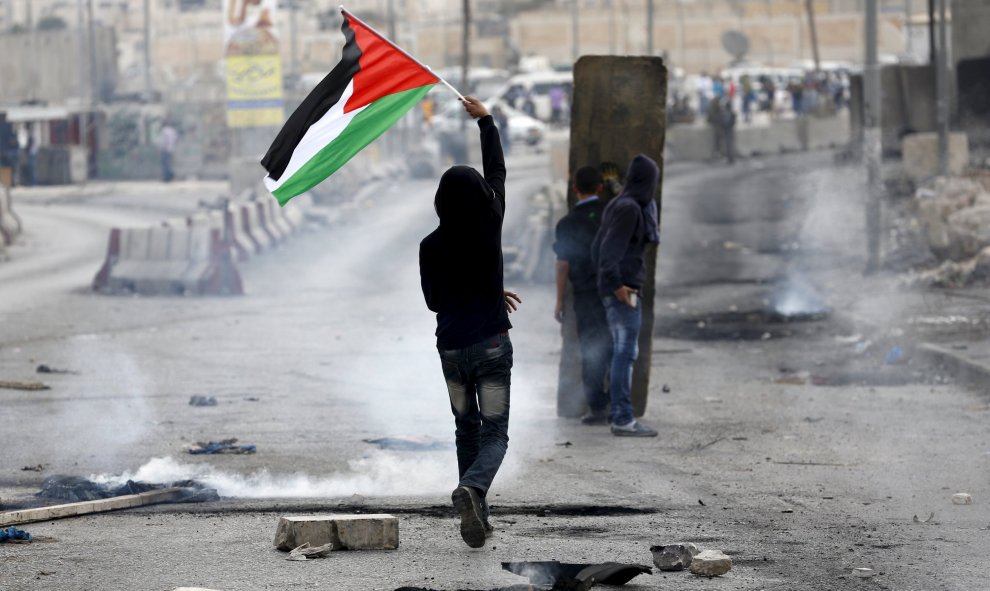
x,y
326,94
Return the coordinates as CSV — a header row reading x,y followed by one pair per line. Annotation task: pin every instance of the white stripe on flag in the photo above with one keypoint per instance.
x,y
318,136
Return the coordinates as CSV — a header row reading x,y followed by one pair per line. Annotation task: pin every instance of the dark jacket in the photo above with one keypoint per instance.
x,y
574,235
460,263
619,244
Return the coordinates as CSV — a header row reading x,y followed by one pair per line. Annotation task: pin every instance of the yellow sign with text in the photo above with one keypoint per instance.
x,y
254,90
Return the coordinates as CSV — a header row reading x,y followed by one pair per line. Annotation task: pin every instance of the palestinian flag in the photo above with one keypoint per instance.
x,y
371,88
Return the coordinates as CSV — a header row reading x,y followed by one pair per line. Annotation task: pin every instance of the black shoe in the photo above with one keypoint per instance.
x,y
468,505
637,429
594,418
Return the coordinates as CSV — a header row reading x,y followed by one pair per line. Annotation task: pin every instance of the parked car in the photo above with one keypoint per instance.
x,y
449,114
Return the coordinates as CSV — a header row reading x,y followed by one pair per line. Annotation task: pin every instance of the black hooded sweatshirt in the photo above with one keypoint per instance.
x,y
623,236
460,263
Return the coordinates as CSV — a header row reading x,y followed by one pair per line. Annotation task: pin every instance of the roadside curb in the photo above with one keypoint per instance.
x,y
964,368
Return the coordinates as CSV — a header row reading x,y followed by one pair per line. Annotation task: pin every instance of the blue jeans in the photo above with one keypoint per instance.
x,y
623,323
478,379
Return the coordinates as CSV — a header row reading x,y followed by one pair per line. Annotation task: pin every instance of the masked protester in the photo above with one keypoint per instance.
x,y
460,267
629,223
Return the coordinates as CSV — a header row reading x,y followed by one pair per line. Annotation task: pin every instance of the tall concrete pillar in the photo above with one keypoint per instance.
x,y
618,111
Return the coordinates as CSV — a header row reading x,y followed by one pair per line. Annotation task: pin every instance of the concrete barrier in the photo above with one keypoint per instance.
x,y
169,260
276,215
695,142
10,224
247,219
273,233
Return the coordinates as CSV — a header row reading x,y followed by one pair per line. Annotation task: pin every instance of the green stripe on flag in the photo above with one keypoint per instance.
x,y
370,123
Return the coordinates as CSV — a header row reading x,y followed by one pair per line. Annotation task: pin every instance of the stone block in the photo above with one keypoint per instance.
x,y
920,154
711,563
345,532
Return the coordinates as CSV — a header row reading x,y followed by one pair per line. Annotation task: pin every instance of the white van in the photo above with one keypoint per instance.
x,y
537,85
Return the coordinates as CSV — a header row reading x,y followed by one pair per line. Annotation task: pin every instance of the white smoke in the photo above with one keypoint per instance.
x,y
379,474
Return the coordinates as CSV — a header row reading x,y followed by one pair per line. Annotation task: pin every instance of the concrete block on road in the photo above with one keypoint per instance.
x,y
920,154
710,563
345,532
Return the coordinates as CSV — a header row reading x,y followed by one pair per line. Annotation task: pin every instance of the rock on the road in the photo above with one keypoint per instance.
x,y
345,532
962,499
673,557
710,563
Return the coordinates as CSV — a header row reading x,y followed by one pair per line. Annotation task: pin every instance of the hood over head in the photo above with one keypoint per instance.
x,y
641,179
462,197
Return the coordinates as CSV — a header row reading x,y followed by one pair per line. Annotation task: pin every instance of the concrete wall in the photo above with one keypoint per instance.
x,y
46,66
970,27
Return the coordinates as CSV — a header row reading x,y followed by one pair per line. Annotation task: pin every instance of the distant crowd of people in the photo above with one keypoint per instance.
x,y
813,93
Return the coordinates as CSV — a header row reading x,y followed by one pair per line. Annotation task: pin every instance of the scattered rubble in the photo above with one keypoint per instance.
x,y
864,572
962,499
929,519
35,468
710,563
23,385
576,576
225,446
673,557
305,552
49,369
198,400
14,535
953,217
411,443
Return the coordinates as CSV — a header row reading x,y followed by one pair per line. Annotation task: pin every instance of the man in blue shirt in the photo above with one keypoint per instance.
x,y
574,235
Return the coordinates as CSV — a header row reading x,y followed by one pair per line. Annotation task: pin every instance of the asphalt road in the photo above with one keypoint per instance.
x,y
799,483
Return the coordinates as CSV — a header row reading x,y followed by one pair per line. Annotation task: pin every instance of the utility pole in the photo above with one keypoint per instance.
x,y
908,11
466,46
390,8
942,88
931,32
94,91
147,50
810,7
294,40
871,137
649,27
611,27
575,41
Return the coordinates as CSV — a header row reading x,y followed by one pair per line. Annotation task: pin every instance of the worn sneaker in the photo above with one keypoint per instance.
x,y
594,418
636,429
468,505
489,530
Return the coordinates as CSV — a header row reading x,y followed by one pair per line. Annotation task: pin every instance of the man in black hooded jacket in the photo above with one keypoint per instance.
x,y
460,266
629,223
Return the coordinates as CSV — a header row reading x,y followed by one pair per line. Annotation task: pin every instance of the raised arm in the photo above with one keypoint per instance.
x,y
492,158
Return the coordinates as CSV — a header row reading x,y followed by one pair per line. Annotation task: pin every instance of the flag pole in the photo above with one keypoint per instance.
x,y
402,51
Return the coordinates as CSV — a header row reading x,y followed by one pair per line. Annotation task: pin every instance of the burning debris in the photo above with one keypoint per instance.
x,y
75,489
